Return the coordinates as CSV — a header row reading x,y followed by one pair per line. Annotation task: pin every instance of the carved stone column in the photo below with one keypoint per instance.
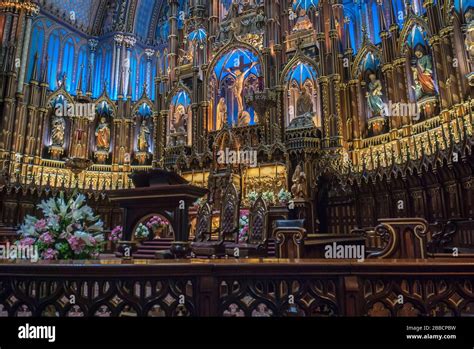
x,y
129,42
149,56
173,37
354,113
92,49
30,11
204,113
116,62
213,21
323,82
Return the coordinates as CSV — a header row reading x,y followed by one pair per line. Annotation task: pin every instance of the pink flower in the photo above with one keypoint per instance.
x,y
41,224
27,241
244,212
77,245
47,238
116,234
49,254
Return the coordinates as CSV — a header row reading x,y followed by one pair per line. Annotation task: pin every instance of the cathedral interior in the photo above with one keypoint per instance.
x,y
246,130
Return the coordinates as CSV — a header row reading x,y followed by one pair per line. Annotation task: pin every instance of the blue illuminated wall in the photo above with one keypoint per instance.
x,y
142,76
133,76
82,69
107,71
97,81
36,48
67,67
54,45
366,14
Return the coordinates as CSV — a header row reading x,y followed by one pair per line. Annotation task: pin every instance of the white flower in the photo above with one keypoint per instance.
x,y
99,238
28,227
77,203
86,237
142,231
96,227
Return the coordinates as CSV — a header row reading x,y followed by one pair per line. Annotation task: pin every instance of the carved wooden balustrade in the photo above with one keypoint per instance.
x,y
239,288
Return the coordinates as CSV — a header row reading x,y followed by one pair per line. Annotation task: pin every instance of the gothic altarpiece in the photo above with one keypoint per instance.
x,y
312,87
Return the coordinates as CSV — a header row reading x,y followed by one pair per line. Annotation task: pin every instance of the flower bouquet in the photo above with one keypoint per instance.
x,y
244,226
68,230
269,197
142,232
156,225
116,234
284,197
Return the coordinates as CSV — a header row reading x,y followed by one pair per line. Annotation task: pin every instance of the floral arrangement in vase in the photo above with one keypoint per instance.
x,y
68,230
142,232
269,197
284,197
244,226
156,222
116,234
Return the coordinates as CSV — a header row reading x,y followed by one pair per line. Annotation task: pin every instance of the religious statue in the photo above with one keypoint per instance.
x,y
302,22
102,135
469,41
233,10
423,75
374,95
304,104
238,85
185,56
298,189
260,19
221,114
179,125
178,122
57,131
247,4
143,135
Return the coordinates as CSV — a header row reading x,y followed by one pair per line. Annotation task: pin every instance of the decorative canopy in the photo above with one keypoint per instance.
x,y
198,35
181,97
238,58
301,73
144,110
417,37
304,4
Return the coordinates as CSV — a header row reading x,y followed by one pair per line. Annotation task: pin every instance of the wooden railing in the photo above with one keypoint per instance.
x,y
239,288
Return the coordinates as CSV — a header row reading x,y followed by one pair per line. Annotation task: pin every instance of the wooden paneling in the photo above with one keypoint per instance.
x,y
240,288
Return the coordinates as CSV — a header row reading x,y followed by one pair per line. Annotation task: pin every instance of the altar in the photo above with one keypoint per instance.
x,y
158,192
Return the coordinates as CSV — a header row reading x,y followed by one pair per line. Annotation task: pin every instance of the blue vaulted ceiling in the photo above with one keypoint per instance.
x,y
144,16
147,18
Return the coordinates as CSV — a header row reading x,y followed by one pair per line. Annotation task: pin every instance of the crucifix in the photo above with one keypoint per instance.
x,y
239,71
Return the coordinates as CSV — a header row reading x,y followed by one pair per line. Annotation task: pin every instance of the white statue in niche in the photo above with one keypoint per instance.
x,y
58,127
179,125
143,136
221,114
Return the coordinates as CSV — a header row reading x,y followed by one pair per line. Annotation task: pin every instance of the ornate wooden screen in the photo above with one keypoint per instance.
x,y
229,218
203,227
258,222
